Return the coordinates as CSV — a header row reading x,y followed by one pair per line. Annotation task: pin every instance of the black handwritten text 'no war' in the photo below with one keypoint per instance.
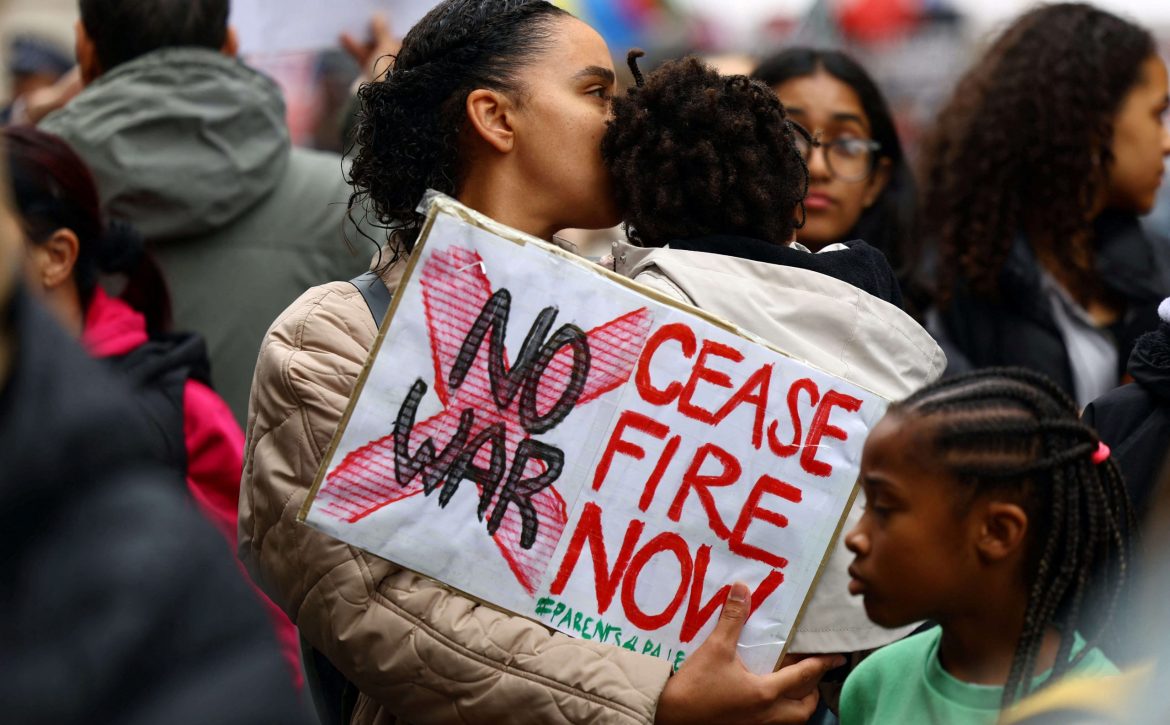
x,y
456,462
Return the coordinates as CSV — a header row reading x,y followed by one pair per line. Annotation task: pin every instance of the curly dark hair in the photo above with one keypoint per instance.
x,y
1020,146
409,121
694,153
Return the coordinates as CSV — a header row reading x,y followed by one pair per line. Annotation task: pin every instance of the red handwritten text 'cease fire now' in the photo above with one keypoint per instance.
x,y
678,345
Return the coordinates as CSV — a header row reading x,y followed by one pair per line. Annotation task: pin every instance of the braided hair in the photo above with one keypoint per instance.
x,y
409,121
695,153
1011,429
1020,146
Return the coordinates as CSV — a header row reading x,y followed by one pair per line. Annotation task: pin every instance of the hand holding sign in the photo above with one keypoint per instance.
x,y
713,686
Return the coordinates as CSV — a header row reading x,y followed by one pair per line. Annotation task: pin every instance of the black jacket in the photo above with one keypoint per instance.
x,y
860,265
118,603
1134,420
157,373
1018,328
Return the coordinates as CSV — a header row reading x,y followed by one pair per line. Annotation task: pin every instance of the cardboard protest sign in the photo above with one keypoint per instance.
x,y
561,443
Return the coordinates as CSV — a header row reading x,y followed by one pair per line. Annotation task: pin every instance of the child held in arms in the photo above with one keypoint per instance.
x,y
709,172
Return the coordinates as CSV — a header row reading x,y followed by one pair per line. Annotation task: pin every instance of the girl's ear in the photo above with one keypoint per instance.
x,y
1002,534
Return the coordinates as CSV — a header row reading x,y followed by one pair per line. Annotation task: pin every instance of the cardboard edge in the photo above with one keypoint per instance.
x,y
820,571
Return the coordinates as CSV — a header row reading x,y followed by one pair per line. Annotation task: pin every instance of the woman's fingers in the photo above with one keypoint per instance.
x,y
798,680
732,617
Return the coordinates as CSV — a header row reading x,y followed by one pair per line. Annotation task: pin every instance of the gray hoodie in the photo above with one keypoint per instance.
x,y
191,147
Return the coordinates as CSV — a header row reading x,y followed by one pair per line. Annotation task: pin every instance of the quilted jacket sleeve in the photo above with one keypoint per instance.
x,y
421,652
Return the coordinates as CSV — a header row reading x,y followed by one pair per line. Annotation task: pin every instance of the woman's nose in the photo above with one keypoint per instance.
x,y
818,166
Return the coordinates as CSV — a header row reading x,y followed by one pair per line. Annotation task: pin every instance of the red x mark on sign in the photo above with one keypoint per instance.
x,y
477,428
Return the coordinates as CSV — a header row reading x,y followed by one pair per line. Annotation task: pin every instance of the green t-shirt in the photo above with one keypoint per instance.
x,y
906,683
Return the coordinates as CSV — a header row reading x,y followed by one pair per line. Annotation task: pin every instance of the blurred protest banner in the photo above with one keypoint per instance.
x,y
559,442
287,26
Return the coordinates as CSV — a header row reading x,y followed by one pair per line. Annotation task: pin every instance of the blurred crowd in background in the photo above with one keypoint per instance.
x,y
915,49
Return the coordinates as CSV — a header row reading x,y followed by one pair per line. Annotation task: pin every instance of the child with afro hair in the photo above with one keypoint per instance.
x,y
709,163
710,179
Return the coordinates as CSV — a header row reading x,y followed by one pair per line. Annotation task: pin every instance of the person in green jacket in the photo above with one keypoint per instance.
x,y
990,509
191,145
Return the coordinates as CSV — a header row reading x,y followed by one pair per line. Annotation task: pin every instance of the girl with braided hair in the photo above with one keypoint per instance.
x,y
991,506
1050,146
501,104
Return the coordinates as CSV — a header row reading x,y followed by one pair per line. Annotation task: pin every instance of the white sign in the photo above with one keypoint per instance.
x,y
560,443
269,27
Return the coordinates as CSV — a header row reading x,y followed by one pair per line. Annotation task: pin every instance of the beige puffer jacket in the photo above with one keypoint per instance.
x,y
418,652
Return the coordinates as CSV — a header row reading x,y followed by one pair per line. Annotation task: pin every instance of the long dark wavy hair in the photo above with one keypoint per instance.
x,y
1022,145
410,120
888,224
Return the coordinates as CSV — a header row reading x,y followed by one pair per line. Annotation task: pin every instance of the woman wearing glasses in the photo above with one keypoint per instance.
x,y
860,186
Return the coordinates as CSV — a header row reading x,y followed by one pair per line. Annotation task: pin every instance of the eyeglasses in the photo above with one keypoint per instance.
x,y
848,159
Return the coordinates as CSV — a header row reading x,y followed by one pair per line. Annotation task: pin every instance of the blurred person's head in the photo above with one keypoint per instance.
x,y
11,254
694,153
35,63
500,103
113,32
1060,120
860,186
70,244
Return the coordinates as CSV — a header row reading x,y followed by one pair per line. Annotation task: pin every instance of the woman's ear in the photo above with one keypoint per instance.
x,y
490,115
53,261
878,181
1005,525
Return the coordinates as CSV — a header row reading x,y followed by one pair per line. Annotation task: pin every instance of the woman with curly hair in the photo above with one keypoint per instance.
x,y
710,178
1048,148
860,182
501,104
